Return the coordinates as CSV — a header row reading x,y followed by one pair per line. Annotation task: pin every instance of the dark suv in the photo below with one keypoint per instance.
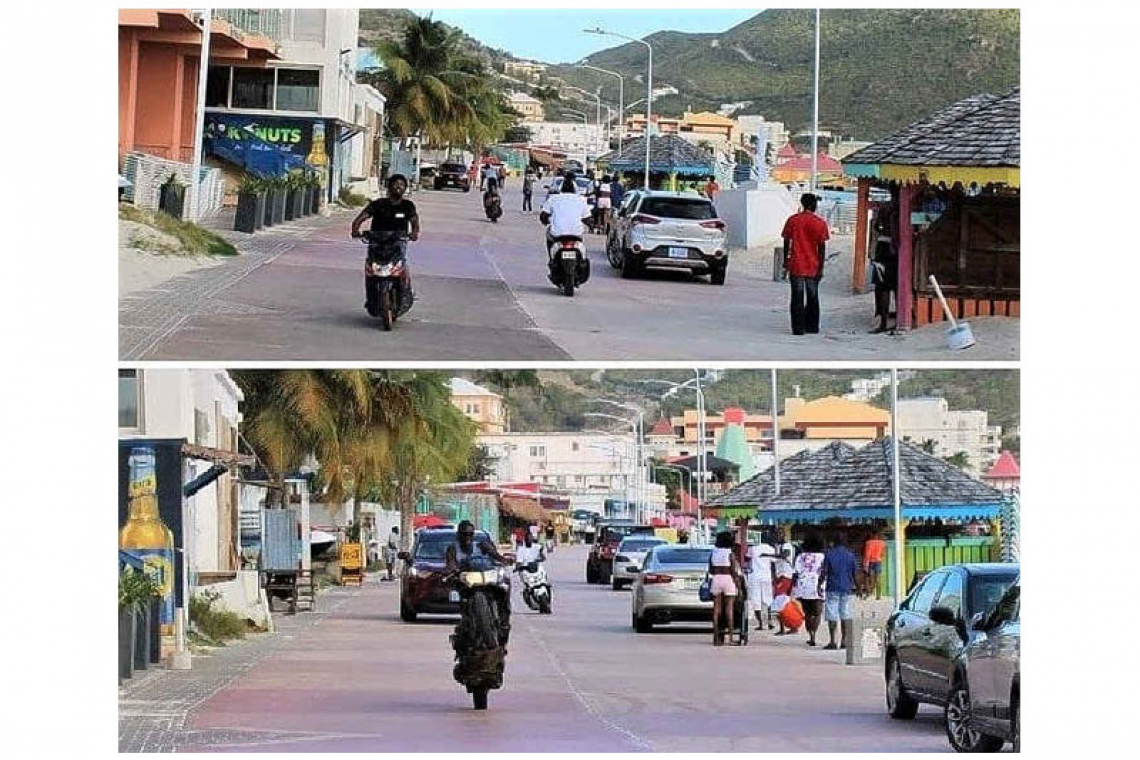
x,y
421,587
926,633
983,711
600,562
452,175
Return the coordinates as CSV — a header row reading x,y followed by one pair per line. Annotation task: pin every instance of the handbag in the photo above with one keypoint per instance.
x,y
705,590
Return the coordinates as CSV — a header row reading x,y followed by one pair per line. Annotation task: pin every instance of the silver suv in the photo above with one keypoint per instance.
x,y
673,230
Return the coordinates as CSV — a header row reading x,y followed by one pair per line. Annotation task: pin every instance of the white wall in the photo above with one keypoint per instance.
x,y
570,136
754,215
341,27
601,460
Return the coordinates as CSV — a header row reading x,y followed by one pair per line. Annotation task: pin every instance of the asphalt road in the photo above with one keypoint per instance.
x,y
579,680
483,295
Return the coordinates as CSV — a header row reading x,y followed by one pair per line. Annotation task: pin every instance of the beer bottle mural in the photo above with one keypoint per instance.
x,y
317,155
145,536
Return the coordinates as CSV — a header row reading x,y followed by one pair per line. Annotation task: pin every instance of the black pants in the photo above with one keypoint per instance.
x,y
526,200
805,304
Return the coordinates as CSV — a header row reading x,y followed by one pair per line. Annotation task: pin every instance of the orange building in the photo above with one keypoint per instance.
x,y
834,418
798,169
159,53
757,427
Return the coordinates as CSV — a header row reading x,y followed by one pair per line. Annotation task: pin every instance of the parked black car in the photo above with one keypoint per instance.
x,y
928,630
983,711
452,175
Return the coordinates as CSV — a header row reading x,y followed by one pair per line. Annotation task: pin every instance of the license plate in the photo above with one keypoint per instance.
x,y
453,596
678,253
568,254
692,583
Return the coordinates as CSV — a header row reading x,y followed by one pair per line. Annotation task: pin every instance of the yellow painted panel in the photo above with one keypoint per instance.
x,y
950,174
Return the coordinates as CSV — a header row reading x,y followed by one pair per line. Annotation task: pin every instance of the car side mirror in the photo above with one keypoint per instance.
x,y
404,556
943,615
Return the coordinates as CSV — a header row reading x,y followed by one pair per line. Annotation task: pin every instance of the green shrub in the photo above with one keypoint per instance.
x,y
136,588
195,240
215,624
349,198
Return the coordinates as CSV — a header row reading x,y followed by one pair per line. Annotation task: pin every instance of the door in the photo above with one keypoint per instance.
x,y
943,642
911,627
994,665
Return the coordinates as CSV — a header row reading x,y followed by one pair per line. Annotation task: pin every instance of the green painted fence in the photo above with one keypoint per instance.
x,y
926,554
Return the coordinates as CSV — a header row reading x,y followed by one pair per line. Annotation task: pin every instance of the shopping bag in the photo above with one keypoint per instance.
x,y
705,591
792,616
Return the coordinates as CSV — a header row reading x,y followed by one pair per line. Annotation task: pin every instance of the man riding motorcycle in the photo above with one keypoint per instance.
x,y
394,213
492,201
563,214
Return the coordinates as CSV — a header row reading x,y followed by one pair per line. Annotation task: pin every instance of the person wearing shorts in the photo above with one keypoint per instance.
x,y
724,572
760,558
807,584
839,567
873,550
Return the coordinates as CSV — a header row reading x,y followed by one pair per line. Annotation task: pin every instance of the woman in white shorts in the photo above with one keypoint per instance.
x,y
725,572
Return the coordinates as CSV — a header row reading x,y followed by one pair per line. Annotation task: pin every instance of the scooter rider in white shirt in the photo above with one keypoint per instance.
x,y
529,551
563,213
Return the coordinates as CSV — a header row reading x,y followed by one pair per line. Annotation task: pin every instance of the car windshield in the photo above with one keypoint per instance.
x,y
677,208
639,545
987,590
682,556
432,547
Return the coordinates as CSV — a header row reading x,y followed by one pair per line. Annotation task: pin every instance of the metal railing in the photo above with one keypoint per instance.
x,y
269,22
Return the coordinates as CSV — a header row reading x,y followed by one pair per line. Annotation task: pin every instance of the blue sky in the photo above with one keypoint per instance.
x,y
555,35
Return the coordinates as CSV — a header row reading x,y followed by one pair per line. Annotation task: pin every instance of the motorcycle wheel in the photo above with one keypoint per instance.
x,y
479,698
544,605
569,274
387,312
485,624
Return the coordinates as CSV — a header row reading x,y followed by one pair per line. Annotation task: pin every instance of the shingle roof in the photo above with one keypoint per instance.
x,y
761,488
1005,467
667,153
981,130
865,479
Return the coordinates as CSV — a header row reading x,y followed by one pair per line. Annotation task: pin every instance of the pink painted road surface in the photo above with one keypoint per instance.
x,y
579,680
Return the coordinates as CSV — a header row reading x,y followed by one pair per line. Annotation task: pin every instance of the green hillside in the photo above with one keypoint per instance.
x,y
563,397
880,69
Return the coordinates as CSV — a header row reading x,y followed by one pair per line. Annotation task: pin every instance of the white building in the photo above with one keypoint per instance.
x,y
930,418
573,137
200,406
599,462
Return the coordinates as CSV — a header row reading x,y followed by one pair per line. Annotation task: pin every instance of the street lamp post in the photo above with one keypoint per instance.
x,y
815,110
643,486
200,118
635,429
621,94
648,91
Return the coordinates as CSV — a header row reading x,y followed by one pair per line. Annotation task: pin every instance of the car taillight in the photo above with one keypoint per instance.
x,y
650,578
644,219
713,224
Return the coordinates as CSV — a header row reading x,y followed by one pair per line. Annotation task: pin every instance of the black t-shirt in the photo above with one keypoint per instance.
x,y
391,216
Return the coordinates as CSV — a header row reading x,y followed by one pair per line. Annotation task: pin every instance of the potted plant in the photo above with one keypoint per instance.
x,y
295,181
250,213
307,206
280,193
137,591
171,197
270,200
315,192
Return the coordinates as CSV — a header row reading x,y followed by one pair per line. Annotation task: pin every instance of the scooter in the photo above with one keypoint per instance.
x,y
387,287
536,592
480,638
568,263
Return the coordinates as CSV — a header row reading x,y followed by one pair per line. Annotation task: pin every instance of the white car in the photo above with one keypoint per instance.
x,y
554,186
670,230
631,553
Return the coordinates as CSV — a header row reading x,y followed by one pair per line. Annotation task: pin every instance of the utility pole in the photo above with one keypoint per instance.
x,y
775,434
815,110
200,116
900,539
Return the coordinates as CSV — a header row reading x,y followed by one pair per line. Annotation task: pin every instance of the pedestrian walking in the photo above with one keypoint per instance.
x,y
712,189
806,584
725,573
502,175
528,190
761,556
838,576
805,246
391,549
873,550
617,193
885,261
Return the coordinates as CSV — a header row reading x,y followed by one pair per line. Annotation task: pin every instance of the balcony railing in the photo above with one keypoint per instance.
x,y
268,22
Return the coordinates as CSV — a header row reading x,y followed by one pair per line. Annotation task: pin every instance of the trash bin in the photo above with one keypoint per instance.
x,y
171,197
868,635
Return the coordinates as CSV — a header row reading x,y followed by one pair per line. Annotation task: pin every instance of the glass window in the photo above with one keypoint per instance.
x,y
128,398
253,88
987,590
1008,609
678,208
951,594
680,556
922,597
298,89
218,87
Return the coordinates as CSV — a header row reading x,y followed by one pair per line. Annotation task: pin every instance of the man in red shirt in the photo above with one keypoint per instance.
x,y
805,235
